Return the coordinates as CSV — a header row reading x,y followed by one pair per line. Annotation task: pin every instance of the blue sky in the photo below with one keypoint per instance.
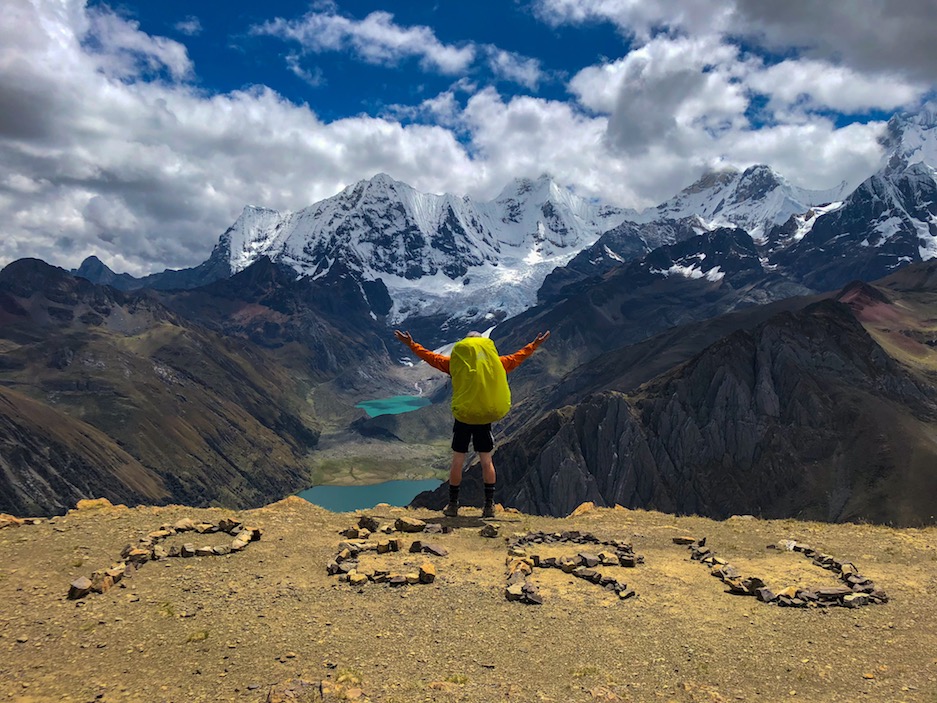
x,y
138,131
229,56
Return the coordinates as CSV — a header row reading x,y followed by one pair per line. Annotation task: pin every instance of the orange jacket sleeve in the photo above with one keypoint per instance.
x,y
512,361
437,361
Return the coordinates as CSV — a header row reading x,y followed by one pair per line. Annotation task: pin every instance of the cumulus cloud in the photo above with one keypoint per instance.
x,y
880,36
124,51
818,85
147,174
108,147
667,91
640,19
376,39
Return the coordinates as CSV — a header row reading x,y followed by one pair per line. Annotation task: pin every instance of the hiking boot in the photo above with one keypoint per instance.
x,y
451,510
488,510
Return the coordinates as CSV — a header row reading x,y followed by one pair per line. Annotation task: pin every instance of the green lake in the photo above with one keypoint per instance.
x,y
343,499
393,406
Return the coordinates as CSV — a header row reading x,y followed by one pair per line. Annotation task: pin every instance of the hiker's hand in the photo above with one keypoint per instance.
x,y
404,337
542,337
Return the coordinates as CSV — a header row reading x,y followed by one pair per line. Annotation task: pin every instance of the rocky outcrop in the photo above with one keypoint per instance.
x,y
804,416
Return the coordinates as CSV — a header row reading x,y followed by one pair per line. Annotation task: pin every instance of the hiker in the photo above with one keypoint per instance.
x,y
480,396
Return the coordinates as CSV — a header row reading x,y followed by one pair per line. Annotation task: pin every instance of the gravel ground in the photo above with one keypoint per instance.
x,y
229,628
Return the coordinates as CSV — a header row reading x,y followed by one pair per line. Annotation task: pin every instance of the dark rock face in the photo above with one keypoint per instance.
x,y
622,244
695,279
215,268
803,416
877,230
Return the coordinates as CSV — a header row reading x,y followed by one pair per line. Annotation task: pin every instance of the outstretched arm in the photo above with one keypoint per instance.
x,y
512,361
437,361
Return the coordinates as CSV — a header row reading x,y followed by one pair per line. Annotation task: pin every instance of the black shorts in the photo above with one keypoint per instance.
x,y
482,439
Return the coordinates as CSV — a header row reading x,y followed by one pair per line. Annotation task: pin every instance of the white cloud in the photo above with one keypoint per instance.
x,y
191,26
514,67
126,52
150,173
817,85
314,78
878,36
667,91
97,157
639,18
376,39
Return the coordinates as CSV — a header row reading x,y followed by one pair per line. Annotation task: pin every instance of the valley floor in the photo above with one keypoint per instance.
x,y
227,628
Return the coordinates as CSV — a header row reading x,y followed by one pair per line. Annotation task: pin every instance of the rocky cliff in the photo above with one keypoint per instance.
x,y
805,415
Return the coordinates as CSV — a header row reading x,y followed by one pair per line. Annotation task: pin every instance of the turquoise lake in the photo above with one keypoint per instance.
x,y
343,499
393,406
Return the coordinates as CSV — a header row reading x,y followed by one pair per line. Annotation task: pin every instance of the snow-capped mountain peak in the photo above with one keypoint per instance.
x,y
911,138
430,249
755,199
249,237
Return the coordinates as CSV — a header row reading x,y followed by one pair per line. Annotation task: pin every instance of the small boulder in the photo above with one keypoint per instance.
x,y
684,540
101,582
488,531
765,595
229,525
435,549
368,523
583,508
514,592
138,556
409,524
188,550
589,560
855,600
79,588
427,573
184,525
93,504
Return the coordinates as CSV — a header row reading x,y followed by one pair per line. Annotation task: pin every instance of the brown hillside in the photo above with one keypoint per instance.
x,y
51,459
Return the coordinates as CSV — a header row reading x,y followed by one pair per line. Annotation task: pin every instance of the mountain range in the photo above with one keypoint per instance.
x,y
742,270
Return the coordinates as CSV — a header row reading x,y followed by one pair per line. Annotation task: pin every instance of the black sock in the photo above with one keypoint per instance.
x,y
489,493
453,493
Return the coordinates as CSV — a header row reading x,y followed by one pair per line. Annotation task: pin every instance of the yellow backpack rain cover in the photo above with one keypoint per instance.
x,y
480,392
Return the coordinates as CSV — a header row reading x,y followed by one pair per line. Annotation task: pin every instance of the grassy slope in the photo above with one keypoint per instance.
x,y
185,402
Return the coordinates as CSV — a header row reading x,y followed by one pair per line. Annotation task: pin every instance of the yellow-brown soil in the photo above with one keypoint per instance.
x,y
227,628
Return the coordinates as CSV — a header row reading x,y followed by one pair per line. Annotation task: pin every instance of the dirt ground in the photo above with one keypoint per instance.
x,y
228,628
